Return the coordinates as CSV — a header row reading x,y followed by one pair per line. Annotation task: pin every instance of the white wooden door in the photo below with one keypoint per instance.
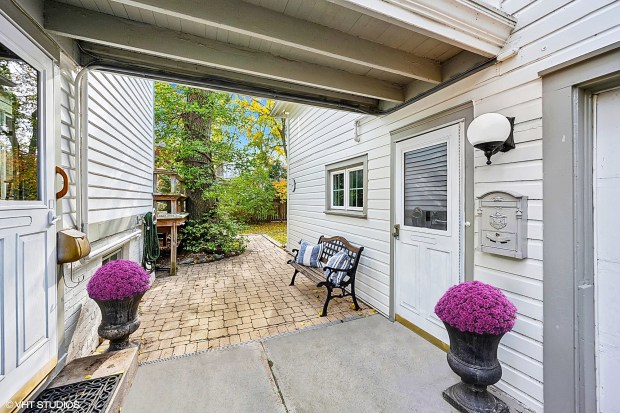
x,y
28,347
607,248
428,211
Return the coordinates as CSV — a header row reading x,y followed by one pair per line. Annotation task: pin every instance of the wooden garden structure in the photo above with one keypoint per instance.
x,y
169,202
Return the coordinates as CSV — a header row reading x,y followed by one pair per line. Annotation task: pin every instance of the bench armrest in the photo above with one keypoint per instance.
x,y
294,251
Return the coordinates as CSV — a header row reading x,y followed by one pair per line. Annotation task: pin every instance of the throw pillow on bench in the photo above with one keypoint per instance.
x,y
309,254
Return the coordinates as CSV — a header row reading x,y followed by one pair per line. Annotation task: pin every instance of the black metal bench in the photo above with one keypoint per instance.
x,y
331,246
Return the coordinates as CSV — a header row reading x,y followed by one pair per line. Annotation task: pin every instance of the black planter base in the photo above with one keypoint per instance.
x,y
117,345
466,400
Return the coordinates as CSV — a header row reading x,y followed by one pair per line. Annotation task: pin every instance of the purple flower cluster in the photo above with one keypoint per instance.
x,y
118,280
478,308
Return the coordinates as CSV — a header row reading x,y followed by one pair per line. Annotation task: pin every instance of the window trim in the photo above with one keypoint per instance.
x,y
346,166
120,253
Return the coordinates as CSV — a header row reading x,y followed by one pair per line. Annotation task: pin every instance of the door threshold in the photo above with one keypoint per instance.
x,y
426,336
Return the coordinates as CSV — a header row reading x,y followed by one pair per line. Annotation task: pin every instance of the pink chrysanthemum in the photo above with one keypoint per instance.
x,y
118,280
478,308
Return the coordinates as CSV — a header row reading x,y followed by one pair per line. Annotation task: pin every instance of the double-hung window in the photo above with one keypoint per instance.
x,y
346,187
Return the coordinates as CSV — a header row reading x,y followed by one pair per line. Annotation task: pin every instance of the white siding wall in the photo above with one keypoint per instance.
x,y
120,182
548,32
120,142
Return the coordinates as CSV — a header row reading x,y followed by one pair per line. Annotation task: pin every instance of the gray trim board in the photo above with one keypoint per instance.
x,y
27,24
568,286
465,113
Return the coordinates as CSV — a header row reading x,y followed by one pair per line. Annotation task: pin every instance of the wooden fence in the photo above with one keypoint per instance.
x,y
279,215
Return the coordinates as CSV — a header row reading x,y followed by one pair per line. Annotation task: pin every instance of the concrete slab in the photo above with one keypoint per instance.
x,y
366,365
237,379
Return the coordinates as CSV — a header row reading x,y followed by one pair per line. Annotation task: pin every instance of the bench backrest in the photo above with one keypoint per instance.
x,y
334,245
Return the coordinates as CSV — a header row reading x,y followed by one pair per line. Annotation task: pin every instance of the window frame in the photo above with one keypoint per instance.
x,y
359,163
108,257
342,172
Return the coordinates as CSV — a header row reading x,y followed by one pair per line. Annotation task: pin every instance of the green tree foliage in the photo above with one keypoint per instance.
x,y
201,134
265,134
194,137
248,196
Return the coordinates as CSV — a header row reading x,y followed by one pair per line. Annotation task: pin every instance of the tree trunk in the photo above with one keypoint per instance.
x,y
199,129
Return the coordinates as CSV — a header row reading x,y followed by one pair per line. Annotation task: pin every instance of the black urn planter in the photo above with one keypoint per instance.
x,y
119,319
474,358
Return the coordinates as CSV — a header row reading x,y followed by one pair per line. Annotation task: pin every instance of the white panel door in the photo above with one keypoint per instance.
x,y
607,248
28,347
428,212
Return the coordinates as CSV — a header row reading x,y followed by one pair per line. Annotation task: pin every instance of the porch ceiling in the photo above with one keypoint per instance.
x,y
362,53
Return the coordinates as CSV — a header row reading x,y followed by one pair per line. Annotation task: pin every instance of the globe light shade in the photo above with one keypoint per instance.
x,y
491,133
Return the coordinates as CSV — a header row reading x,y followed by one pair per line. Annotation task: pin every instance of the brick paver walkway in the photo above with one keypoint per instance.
x,y
231,301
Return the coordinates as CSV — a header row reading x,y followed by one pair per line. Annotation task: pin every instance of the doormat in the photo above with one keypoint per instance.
x,y
90,396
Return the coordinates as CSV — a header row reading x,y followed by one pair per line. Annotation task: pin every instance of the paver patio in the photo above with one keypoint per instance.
x,y
231,301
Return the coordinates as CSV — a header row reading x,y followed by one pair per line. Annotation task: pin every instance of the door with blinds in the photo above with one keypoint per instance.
x,y
428,211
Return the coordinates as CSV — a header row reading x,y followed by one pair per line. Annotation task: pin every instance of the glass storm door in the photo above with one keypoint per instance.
x,y
28,347
428,209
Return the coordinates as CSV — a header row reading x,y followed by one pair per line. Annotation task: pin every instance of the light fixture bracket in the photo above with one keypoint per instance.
x,y
491,148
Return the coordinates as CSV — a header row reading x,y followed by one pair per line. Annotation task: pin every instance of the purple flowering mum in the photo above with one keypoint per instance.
x,y
478,308
118,280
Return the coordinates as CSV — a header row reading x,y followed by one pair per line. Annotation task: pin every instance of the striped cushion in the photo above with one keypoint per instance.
x,y
309,254
340,261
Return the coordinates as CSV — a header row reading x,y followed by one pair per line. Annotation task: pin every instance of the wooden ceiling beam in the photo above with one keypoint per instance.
x,y
100,28
248,19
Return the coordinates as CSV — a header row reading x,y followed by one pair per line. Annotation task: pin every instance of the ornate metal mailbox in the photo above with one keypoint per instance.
x,y
503,224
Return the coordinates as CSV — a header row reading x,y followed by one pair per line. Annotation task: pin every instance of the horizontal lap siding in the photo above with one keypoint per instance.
x,y
120,178
319,137
548,33
120,138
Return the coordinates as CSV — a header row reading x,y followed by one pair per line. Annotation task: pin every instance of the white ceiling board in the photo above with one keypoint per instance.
x,y
90,5
105,6
242,17
148,16
108,30
118,10
161,20
134,13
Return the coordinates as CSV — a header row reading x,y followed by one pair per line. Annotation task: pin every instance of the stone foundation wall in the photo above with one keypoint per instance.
x,y
81,314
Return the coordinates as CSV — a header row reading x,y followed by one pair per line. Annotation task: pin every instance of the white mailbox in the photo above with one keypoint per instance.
x,y
502,223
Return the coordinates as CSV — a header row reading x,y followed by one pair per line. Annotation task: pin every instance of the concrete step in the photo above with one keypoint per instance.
x,y
123,362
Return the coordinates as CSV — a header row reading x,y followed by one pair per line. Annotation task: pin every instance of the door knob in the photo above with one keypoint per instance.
x,y
52,218
467,224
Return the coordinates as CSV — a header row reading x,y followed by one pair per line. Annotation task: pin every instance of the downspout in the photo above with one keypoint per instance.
x,y
80,115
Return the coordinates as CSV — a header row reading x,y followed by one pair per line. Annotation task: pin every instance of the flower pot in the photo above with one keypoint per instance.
x,y
119,319
474,358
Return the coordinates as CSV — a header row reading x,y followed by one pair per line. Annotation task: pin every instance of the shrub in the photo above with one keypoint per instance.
x,y
118,280
248,196
213,235
478,308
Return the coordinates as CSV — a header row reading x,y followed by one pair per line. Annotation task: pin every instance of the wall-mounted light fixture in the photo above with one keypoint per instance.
x,y
356,133
492,133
